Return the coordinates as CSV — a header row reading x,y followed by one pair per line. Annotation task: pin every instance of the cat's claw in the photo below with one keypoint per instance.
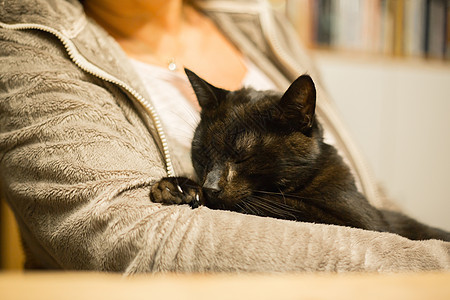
x,y
177,190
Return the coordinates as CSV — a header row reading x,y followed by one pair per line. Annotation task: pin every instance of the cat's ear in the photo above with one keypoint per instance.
x,y
208,96
299,102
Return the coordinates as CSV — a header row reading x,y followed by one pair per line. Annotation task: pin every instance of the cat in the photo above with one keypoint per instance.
x,y
263,153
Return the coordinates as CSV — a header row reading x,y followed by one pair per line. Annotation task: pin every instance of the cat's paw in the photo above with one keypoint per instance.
x,y
177,190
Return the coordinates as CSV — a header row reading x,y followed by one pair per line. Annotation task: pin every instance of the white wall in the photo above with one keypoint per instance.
x,y
399,113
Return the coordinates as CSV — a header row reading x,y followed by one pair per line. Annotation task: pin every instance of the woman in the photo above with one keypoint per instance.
x,y
85,133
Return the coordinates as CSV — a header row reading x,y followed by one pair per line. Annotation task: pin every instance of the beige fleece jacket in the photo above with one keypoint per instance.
x,y
79,151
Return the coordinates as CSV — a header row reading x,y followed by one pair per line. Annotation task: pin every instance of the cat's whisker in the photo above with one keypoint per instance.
x,y
267,208
318,200
275,207
284,198
240,208
282,206
276,211
284,195
250,208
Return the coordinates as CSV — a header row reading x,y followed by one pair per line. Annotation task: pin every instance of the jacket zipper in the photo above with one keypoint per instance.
x,y
88,67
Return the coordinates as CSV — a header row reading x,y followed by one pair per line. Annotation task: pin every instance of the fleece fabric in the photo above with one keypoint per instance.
x,y
78,156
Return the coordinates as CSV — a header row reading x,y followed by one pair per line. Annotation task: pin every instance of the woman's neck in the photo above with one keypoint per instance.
x,y
132,20
161,31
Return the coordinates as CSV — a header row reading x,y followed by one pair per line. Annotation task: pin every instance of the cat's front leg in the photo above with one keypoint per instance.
x,y
177,190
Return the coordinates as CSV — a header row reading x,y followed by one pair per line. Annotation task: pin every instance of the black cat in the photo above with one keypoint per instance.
x,y
262,153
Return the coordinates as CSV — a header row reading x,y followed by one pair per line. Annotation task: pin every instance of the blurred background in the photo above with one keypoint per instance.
x,y
386,64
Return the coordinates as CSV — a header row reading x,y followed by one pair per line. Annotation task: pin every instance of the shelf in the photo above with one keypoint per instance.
x,y
374,58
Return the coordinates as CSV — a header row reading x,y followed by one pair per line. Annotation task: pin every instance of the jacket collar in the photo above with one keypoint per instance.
x,y
65,16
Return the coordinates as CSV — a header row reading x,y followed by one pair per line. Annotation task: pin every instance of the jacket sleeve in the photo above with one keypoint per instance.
x,y
76,166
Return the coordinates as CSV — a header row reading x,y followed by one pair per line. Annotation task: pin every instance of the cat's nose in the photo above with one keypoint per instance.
x,y
212,179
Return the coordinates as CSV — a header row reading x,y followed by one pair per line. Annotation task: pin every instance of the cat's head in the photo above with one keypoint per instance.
x,y
250,142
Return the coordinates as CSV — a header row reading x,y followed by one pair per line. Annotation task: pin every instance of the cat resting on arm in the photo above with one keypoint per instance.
x,y
262,153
